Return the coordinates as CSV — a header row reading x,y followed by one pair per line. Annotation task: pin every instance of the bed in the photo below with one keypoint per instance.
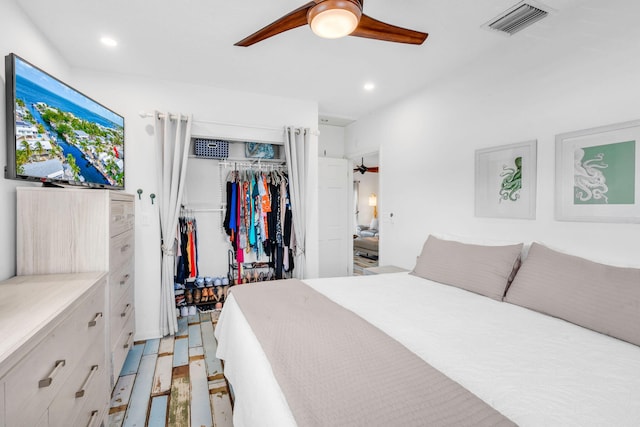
x,y
521,352
366,247
366,240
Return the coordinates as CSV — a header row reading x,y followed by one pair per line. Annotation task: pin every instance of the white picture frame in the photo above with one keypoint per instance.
x,y
505,181
598,174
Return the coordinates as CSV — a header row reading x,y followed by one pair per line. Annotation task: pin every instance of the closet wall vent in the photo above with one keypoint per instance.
x,y
517,17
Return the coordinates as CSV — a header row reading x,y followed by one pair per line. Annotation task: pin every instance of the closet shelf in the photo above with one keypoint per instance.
x,y
245,160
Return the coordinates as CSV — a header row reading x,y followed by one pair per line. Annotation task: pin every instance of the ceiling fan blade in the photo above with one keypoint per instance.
x,y
373,169
373,29
294,19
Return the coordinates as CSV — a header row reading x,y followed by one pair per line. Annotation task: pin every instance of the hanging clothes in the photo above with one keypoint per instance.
x,y
258,219
192,252
187,256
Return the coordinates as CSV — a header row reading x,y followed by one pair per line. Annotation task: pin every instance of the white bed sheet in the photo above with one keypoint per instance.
x,y
535,369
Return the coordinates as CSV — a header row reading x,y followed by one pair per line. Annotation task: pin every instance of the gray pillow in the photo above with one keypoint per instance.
x,y
485,270
596,296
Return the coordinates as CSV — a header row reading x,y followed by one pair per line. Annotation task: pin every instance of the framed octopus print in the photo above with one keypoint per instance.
x,y
598,174
506,181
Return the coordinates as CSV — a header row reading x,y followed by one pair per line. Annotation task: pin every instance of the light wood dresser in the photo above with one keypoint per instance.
x,y
53,358
79,230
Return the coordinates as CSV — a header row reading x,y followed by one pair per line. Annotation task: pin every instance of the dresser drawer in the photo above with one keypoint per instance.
x,y
122,346
121,250
92,414
39,376
120,282
44,420
120,315
85,386
122,217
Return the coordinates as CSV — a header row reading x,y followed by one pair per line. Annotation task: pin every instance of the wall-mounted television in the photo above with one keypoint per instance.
x,y
57,135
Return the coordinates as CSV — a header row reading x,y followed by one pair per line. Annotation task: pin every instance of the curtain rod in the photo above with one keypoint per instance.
x,y
145,114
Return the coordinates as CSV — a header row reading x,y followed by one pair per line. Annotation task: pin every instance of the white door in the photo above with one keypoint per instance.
x,y
334,192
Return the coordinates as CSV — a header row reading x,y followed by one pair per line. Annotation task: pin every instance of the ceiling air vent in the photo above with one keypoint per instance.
x,y
516,18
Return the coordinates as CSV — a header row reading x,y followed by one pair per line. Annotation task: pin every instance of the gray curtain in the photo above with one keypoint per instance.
x,y
296,142
173,134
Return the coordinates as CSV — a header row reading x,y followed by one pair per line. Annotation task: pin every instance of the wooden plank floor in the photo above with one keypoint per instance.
x,y
173,381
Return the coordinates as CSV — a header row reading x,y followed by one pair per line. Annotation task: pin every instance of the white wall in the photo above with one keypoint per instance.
x,y
130,95
545,87
19,36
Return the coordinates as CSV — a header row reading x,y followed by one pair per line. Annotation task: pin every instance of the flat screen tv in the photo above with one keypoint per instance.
x,y
57,135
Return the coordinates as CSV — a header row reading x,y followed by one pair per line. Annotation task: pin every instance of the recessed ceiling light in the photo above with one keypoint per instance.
x,y
108,41
369,86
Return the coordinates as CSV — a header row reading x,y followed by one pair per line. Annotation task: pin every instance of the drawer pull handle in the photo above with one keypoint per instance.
x,y
125,248
80,393
124,279
126,345
126,308
47,381
94,322
94,417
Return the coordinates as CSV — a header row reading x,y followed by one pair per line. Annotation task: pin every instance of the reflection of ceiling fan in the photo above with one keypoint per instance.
x,y
333,19
362,168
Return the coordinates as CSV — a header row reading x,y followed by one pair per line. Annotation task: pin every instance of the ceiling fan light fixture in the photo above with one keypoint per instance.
x,y
332,19
108,41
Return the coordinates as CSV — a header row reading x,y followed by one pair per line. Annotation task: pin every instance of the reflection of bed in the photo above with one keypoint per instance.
x,y
533,368
366,247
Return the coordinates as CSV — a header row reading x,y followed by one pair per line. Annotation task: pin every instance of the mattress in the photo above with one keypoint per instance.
x,y
535,369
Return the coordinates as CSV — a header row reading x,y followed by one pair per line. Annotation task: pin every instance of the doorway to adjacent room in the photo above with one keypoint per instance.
x,y
366,199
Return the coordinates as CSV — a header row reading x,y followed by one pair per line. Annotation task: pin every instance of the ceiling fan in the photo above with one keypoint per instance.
x,y
334,19
362,168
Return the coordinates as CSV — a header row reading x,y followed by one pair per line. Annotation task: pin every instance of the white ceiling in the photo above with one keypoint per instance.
x,y
192,41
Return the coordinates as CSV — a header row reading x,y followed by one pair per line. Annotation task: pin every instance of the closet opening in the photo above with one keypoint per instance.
x,y
366,201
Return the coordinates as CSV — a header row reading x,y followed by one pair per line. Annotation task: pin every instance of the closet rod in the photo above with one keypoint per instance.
x,y
145,114
188,209
206,210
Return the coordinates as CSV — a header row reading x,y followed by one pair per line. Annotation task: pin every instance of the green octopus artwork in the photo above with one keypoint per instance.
x,y
590,182
511,181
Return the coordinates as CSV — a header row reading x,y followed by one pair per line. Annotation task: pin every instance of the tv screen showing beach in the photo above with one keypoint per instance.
x,y
61,134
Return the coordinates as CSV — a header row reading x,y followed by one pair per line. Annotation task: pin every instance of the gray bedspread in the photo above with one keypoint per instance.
x,y
336,369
